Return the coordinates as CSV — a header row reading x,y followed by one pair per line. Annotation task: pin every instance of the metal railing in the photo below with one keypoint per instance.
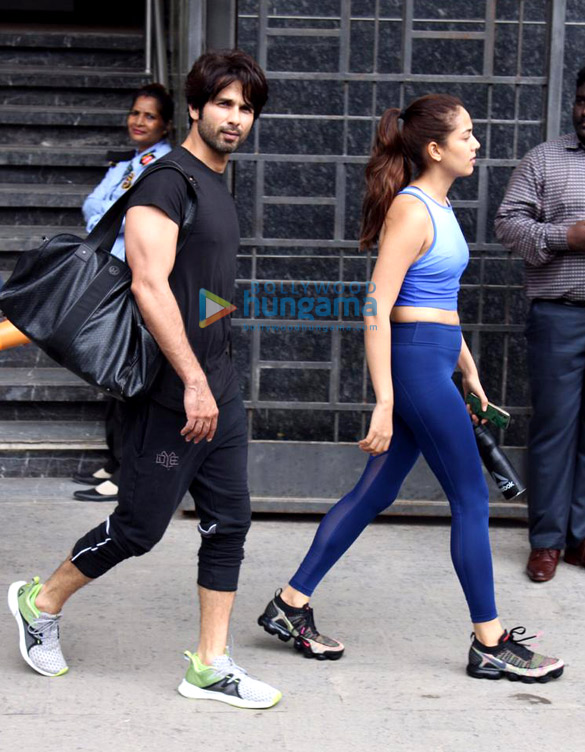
x,y
154,22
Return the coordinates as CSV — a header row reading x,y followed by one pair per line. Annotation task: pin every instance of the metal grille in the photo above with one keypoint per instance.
x,y
333,67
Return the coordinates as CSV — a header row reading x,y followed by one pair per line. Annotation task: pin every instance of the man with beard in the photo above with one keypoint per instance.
x,y
542,218
190,433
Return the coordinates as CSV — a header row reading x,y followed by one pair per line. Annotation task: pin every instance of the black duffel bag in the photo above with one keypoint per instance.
x,y
73,299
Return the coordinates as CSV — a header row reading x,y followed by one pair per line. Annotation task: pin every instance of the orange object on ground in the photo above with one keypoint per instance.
x,y
10,336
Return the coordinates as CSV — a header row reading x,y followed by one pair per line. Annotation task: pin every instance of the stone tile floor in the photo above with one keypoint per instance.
x,y
394,600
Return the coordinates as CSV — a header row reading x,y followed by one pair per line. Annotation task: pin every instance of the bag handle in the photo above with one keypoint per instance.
x,y
105,232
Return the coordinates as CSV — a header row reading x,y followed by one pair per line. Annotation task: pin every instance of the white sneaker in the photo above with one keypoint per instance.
x,y
38,632
226,682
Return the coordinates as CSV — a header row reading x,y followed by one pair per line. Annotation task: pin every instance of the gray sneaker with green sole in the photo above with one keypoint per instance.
x,y
38,632
226,682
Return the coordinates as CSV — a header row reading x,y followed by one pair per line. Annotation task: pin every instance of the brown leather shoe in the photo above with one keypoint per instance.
x,y
576,556
542,564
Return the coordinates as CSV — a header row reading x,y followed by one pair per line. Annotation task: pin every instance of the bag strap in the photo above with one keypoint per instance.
x,y
106,231
107,277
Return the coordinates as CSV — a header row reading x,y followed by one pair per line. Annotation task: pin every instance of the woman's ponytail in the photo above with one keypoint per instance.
x,y
387,172
397,152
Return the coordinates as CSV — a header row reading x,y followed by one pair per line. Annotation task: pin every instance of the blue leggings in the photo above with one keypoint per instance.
x,y
429,417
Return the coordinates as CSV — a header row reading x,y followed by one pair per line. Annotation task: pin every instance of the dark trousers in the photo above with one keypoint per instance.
x,y
158,469
114,421
555,336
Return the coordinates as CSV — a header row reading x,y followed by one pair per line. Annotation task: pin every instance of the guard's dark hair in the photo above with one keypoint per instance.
x,y
215,70
581,77
397,150
166,106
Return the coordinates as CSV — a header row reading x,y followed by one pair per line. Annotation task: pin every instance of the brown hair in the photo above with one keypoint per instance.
x,y
213,71
396,150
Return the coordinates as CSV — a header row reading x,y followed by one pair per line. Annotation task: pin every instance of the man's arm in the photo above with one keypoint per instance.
x,y
151,242
519,224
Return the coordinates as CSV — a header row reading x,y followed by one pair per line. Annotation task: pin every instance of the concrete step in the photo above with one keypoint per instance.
x,y
54,196
44,385
63,165
26,356
61,489
400,508
78,77
73,57
42,435
45,448
37,489
47,175
56,156
63,96
26,237
79,38
62,116
103,137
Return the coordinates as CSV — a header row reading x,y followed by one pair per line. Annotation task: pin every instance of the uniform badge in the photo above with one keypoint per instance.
x,y
147,158
127,181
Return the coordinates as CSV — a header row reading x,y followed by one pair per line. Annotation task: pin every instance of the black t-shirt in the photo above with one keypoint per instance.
x,y
207,261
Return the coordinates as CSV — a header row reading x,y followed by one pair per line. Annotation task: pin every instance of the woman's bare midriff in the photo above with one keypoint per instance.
x,y
412,314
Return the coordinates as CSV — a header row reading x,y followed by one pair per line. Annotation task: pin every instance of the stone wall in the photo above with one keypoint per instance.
x,y
334,66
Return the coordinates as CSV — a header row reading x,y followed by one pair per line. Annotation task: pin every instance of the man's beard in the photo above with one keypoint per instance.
x,y
213,138
579,129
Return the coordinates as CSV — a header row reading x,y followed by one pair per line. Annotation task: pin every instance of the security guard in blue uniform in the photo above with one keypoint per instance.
x,y
149,122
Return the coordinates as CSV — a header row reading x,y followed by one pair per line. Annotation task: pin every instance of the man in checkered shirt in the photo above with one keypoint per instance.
x,y
542,218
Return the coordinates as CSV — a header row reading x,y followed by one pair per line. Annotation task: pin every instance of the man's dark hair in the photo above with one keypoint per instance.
x,y
166,106
581,77
213,71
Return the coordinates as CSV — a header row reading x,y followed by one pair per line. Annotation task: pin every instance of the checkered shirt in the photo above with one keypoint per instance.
x,y
545,195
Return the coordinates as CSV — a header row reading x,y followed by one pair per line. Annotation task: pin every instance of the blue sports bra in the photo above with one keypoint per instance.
x,y
433,280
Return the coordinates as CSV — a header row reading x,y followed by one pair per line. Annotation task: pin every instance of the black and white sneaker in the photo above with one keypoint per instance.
x,y
287,622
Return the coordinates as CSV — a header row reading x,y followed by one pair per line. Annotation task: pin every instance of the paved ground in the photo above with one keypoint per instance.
x,y
394,601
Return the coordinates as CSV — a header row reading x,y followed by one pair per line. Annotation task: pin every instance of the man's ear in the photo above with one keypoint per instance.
x,y
193,112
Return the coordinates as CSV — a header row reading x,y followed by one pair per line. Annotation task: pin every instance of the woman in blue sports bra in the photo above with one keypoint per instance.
x,y
412,353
